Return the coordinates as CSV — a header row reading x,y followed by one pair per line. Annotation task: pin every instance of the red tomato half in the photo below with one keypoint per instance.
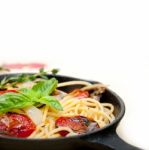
x,y
80,93
7,91
16,125
78,124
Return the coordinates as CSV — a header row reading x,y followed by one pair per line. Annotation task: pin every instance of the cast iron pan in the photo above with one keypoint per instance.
x,y
101,139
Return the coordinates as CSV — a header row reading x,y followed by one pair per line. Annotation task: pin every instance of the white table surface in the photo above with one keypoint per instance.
x,y
106,41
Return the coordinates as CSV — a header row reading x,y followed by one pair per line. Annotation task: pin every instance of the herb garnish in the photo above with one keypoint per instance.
x,y
25,77
39,93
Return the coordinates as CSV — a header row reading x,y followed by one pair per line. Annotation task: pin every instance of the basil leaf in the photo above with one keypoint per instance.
x,y
44,88
52,102
48,100
30,93
11,101
27,97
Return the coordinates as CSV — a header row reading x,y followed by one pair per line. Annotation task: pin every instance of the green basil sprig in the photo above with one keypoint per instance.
x,y
40,93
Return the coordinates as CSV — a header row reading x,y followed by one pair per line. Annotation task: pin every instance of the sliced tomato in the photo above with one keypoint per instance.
x,y
63,133
78,124
80,93
7,91
16,125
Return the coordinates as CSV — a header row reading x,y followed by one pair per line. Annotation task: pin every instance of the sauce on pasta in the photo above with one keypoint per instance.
x,y
39,109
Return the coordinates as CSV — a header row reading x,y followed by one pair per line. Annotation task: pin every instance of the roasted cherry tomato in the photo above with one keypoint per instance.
x,y
80,93
78,124
7,91
16,125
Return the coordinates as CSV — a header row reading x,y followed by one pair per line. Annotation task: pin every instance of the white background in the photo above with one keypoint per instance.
x,y
100,40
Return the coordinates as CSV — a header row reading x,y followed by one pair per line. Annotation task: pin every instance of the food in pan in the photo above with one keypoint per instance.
x,y
34,106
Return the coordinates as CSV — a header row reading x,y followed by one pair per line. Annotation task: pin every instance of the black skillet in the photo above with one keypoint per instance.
x,y
101,139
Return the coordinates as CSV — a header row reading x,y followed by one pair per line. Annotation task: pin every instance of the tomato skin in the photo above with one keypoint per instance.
x,y
80,93
63,133
16,125
78,124
7,91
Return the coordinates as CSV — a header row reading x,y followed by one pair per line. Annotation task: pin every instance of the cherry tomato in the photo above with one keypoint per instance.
x,y
7,91
16,125
78,124
80,93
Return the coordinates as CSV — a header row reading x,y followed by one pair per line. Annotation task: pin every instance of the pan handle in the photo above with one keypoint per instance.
x,y
112,140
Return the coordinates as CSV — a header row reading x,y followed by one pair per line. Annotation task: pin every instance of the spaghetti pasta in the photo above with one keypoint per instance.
x,y
64,113
102,113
